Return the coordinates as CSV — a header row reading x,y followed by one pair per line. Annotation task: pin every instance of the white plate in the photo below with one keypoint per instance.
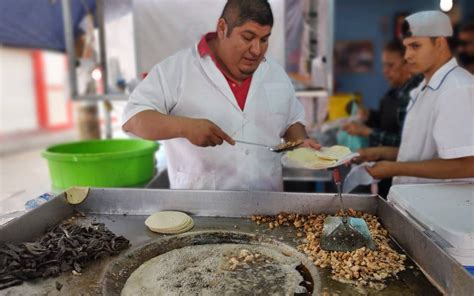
x,y
289,163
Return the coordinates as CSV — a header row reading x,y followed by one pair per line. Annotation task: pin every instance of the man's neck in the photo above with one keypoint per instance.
x,y
214,47
441,62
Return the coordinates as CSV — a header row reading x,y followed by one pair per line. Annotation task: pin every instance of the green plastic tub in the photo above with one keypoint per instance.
x,y
101,163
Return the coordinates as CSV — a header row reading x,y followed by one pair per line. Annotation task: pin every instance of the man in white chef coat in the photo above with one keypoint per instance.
x,y
438,134
221,89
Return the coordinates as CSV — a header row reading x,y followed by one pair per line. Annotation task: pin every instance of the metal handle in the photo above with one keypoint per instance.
x,y
250,143
336,174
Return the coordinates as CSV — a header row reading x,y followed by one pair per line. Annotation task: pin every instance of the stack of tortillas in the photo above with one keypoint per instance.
x,y
170,222
333,153
323,158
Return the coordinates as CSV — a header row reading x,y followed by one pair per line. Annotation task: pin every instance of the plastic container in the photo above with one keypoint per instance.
x,y
36,202
339,105
101,163
445,209
318,72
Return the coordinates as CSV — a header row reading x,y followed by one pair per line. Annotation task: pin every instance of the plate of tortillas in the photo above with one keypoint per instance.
x,y
326,157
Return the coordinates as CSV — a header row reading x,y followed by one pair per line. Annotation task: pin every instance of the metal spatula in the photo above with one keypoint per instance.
x,y
279,148
344,234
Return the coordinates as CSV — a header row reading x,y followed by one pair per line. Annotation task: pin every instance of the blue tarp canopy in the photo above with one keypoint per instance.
x,y
39,23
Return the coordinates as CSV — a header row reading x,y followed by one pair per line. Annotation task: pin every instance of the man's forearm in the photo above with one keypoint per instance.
x,y
153,125
389,153
296,131
436,168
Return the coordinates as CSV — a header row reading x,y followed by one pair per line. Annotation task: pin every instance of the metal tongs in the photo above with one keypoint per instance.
x,y
277,149
344,234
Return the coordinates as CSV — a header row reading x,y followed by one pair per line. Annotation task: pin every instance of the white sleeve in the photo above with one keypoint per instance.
x,y
151,94
453,129
296,112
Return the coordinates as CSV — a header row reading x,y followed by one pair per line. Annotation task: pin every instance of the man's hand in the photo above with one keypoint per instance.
x,y
363,114
204,133
297,132
376,153
369,154
310,143
382,170
357,129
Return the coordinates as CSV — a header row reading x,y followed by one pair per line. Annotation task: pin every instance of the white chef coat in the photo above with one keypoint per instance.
x,y
440,120
189,85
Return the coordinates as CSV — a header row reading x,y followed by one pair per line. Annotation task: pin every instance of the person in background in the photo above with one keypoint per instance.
x,y
465,47
438,134
222,89
383,127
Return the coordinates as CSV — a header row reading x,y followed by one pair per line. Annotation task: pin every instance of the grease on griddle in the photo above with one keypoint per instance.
x,y
64,247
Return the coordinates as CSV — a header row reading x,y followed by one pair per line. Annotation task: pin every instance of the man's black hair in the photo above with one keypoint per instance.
x,y
238,12
406,30
395,46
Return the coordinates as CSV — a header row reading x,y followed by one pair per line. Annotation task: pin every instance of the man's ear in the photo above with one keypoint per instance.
x,y
221,28
441,42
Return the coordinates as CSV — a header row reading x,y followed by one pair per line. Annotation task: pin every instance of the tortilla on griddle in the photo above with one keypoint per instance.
x,y
169,222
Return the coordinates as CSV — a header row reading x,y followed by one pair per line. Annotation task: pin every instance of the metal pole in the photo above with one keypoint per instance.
x,y
330,45
108,119
100,13
103,62
313,33
69,43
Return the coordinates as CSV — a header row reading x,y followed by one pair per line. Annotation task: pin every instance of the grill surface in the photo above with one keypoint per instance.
x,y
282,270
124,212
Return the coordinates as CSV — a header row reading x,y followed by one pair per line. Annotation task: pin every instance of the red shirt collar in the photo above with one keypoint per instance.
x,y
203,46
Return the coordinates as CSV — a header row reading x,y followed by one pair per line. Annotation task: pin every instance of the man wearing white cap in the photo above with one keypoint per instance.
x,y
438,134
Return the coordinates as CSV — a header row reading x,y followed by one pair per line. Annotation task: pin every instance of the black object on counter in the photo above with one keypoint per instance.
x,y
65,247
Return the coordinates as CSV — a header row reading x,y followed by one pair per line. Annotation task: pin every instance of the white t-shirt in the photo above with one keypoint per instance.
x,y
439,121
189,85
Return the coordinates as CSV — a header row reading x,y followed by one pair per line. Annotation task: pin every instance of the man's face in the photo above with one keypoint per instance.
x,y
244,49
394,68
420,54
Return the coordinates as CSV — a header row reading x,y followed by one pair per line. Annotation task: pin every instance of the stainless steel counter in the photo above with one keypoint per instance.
x,y
305,175
124,210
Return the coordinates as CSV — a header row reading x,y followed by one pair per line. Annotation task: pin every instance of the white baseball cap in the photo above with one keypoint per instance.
x,y
430,23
